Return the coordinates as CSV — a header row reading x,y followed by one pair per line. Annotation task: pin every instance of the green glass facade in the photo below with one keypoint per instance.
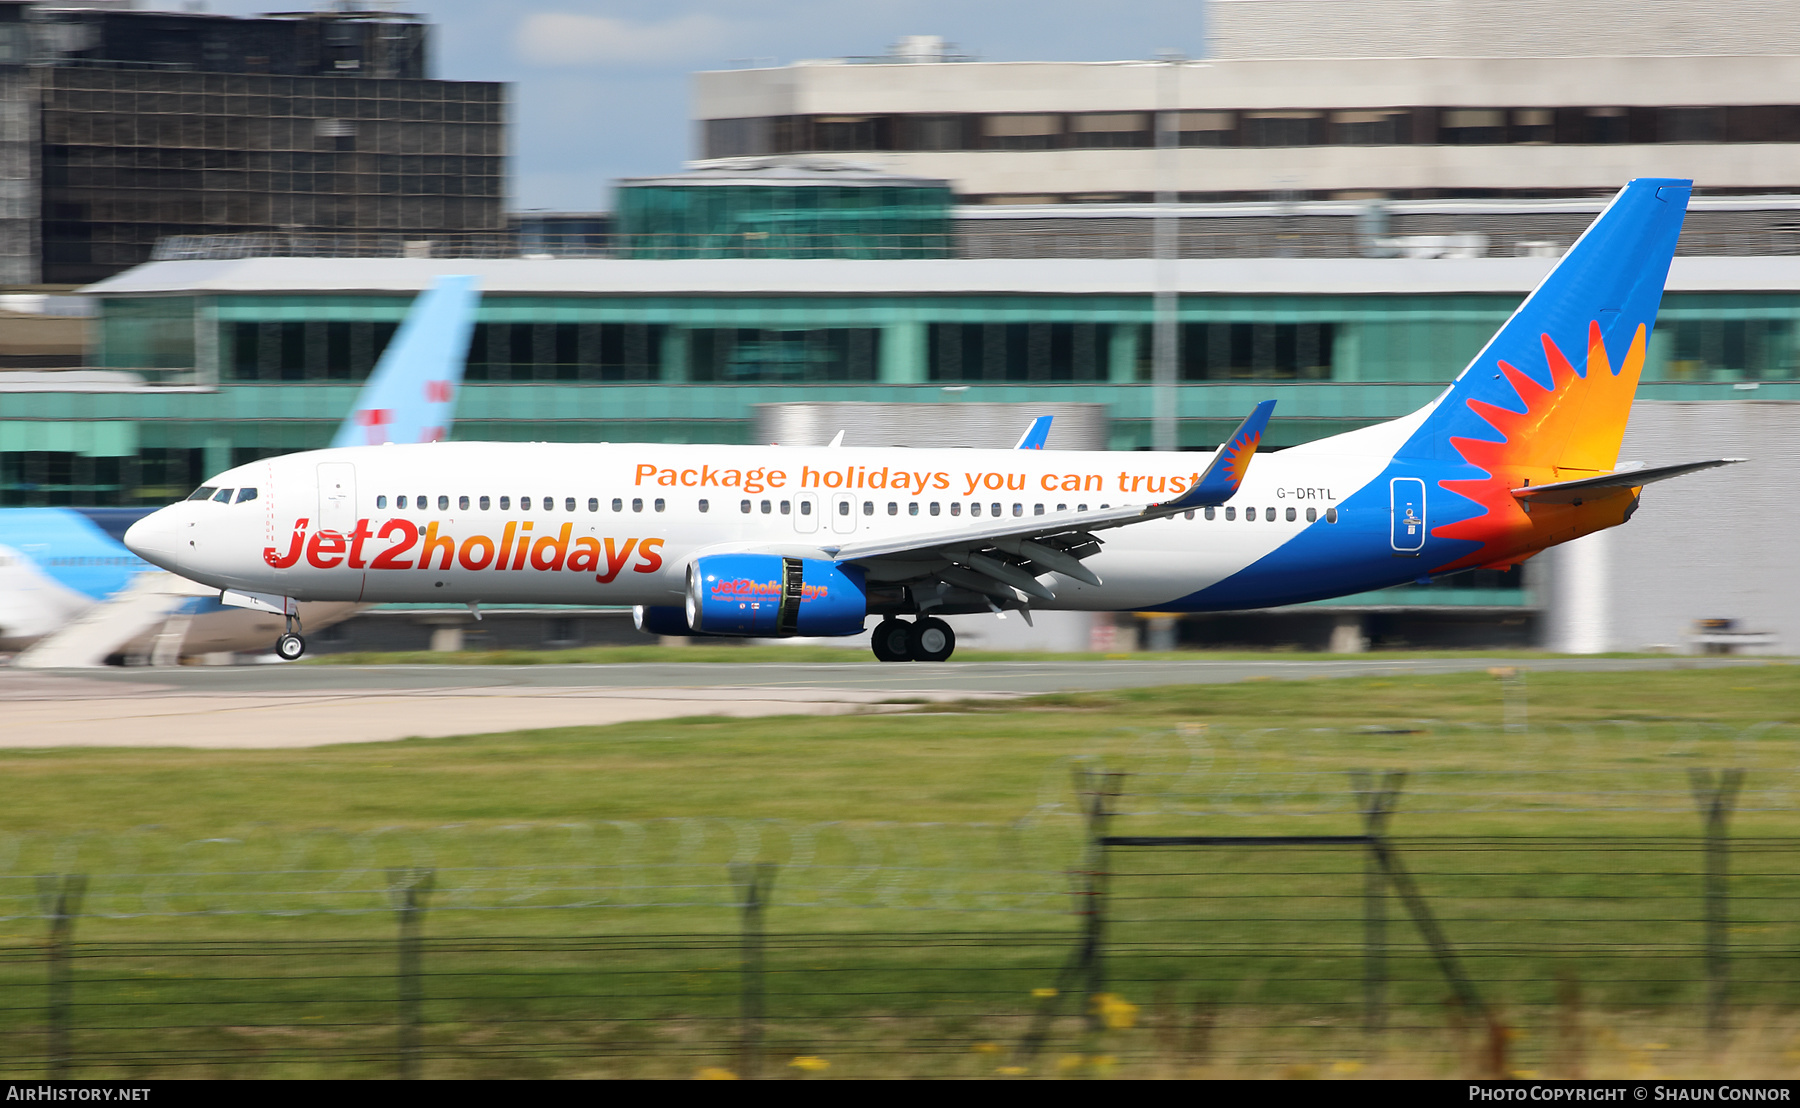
x,y
690,368
675,220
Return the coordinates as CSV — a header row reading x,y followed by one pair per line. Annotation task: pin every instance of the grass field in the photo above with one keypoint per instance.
x,y
586,920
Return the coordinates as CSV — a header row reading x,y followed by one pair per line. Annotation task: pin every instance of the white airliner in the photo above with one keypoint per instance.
x,y
1517,455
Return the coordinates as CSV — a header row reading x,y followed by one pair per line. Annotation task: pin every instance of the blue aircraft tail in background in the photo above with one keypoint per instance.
x,y
412,392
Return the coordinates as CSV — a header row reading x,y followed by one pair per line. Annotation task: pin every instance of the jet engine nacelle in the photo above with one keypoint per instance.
x,y
768,595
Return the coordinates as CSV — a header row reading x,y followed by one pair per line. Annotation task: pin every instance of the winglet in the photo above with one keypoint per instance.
x,y
1221,480
1035,435
411,395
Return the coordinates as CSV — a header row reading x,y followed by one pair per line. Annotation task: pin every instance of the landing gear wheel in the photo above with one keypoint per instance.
x,y
290,646
930,640
889,640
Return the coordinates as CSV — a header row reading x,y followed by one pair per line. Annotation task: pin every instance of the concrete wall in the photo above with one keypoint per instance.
x,y
1306,83
1489,29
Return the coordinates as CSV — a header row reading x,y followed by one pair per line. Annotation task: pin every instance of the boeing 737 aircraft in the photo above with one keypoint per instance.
x,y
59,564
1517,455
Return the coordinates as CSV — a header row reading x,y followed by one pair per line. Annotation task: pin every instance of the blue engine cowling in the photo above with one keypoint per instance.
x,y
768,595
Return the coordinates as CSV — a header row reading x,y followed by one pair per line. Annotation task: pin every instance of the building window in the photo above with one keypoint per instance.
x,y
1372,128
1289,128
744,356
1255,351
1018,351
1021,132
1110,129
1471,126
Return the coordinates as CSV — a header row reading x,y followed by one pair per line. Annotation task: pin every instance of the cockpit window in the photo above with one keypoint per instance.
x,y
246,494
223,496
204,492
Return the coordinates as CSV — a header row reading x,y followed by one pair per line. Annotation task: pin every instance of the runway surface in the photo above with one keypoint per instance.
x,y
276,706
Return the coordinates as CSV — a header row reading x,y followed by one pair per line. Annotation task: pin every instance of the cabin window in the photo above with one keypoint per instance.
x,y
1018,510
506,504
996,510
912,509
462,503
637,503
223,496
868,507
1230,513
787,506
1037,509
569,504
380,502
704,506
618,505
1312,514
975,508
767,507
744,507
484,503
956,507
1189,514
422,502
593,503
661,504
843,507
443,503
1062,507
1081,507
1212,513
246,494
806,507
204,492
1290,515
893,508
399,501
524,503
934,507
1331,515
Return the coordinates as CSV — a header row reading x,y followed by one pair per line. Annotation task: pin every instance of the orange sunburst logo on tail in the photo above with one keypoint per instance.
x,y
1567,431
1238,455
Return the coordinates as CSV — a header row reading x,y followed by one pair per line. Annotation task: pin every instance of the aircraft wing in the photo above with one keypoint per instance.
x,y
1573,492
411,395
1002,561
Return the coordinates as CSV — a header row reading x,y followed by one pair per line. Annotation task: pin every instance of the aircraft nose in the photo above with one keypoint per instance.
x,y
153,538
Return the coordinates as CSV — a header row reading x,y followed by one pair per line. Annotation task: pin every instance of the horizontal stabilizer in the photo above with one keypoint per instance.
x,y
1573,492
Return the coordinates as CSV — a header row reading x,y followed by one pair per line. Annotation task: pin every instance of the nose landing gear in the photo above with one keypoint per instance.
x,y
923,640
290,645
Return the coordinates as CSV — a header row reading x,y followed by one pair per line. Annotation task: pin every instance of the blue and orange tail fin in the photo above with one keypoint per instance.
x,y
1036,435
1552,389
411,395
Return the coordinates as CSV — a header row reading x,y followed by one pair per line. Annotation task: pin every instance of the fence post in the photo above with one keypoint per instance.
x,y
60,899
407,889
755,881
1716,796
1377,801
1095,789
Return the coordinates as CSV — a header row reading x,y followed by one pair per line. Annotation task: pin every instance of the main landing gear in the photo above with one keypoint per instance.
x,y
922,640
290,645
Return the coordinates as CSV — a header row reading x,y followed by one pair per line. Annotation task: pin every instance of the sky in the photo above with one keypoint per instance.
x,y
600,87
